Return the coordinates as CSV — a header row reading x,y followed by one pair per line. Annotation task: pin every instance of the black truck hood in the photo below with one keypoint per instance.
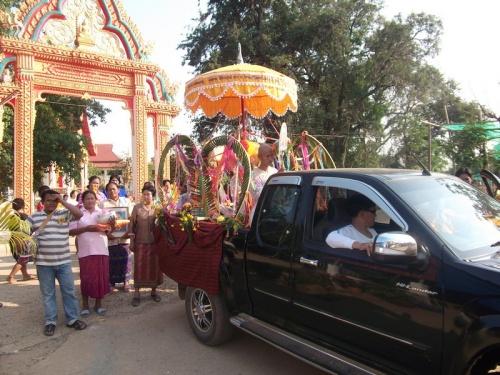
x,y
486,269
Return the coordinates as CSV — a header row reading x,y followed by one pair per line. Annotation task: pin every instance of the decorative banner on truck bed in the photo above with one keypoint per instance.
x,y
192,260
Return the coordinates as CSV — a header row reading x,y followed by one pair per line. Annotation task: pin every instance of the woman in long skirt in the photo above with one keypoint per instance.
x,y
93,254
119,253
147,272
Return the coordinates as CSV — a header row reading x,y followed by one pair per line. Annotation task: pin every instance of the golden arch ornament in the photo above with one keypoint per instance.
x,y
80,48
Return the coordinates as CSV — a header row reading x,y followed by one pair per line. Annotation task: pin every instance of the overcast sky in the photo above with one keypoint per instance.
x,y
469,52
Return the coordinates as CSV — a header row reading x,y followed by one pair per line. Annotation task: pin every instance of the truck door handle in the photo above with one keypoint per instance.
x,y
310,262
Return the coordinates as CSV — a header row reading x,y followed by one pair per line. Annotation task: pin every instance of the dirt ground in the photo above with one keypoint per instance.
x,y
153,338
22,343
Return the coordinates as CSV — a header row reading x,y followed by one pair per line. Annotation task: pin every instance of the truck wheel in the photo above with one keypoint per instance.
x,y
488,363
207,316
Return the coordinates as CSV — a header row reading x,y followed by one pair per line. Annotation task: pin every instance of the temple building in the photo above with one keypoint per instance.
x,y
106,162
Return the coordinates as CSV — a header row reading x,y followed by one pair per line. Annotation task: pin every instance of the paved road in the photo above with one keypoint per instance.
x,y
159,341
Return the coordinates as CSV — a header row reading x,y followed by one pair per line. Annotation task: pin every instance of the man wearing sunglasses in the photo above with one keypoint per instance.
x,y
358,235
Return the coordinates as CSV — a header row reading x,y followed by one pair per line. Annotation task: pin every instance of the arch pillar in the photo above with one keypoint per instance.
x,y
139,136
162,124
24,123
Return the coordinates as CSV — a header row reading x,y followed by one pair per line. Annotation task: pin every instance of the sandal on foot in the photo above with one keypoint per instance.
x,y
136,301
11,280
29,277
85,312
156,297
49,330
78,325
100,311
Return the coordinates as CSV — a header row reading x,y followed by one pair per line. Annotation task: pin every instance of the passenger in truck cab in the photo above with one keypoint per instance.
x,y
358,235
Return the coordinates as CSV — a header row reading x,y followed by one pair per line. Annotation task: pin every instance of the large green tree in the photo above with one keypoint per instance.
x,y
348,61
56,137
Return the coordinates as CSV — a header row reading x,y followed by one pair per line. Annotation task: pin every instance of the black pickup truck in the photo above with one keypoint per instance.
x,y
425,300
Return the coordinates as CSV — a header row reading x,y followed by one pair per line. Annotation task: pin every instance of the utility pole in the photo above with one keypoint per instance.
x,y
446,114
429,135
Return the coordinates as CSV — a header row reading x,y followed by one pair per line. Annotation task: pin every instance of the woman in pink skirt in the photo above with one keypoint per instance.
x,y
93,254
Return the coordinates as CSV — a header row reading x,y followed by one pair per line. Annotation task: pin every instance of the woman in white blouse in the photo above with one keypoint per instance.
x,y
358,235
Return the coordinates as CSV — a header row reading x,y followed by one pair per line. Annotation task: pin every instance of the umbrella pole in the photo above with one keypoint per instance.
x,y
241,136
243,117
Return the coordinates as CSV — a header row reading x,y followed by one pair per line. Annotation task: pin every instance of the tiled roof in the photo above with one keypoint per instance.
x,y
104,156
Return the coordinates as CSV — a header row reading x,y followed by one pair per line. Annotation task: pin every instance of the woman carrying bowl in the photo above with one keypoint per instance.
x,y
93,254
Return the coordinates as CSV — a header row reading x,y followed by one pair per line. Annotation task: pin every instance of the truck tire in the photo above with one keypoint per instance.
x,y
487,364
208,317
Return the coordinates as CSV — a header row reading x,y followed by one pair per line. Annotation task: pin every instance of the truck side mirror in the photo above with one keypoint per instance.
x,y
395,248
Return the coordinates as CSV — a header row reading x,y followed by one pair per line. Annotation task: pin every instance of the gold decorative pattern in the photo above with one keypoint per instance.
x,y
24,122
42,68
7,91
127,20
162,107
84,23
59,30
61,54
139,152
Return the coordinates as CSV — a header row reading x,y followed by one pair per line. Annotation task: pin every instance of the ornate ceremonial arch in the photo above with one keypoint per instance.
x,y
83,48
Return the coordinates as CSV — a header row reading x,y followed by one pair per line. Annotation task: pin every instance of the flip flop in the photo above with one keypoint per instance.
x,y
28,278
78,325
85,312
49,329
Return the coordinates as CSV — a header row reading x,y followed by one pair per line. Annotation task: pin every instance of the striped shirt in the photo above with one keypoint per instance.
x,y
53,240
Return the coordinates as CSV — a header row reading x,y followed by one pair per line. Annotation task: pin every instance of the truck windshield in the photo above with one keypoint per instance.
x,y
462,216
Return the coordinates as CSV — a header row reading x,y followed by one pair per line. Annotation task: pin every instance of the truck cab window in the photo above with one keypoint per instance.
x,y
277,214
331,212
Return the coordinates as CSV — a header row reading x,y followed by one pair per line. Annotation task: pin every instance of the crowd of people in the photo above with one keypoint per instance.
x,y
107,248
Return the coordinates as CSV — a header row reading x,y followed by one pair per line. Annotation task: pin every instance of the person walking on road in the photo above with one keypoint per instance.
x,y
50,228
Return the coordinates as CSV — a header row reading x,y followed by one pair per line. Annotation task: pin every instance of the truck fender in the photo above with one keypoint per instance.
x,y
480,326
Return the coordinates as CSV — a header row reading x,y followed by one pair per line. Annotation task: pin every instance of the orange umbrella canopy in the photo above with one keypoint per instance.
x,y
223,90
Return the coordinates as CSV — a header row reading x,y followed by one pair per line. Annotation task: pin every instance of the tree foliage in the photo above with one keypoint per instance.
x,y
364,82
467,147
56,137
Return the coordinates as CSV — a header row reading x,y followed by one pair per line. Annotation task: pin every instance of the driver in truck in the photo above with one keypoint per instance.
x,y
358,235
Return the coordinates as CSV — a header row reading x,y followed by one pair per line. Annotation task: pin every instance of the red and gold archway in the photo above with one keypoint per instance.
x,y
80,48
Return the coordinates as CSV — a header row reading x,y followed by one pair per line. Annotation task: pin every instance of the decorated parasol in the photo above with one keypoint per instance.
x,y
241,88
